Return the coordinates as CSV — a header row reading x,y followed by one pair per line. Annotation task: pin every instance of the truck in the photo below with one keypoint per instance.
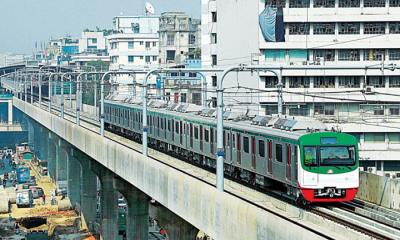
x,y
23,174
24,198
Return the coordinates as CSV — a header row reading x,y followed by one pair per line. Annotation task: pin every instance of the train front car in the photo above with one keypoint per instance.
x,y
329,169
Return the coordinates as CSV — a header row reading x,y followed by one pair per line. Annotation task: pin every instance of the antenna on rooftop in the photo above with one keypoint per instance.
x,y
149,9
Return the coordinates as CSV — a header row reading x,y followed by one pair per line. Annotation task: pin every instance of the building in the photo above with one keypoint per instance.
x,y
7,59
59,51
93,42
326,35
133,44
180,37
184,87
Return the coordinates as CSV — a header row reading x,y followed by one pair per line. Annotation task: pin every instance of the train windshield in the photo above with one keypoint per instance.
x,y
333,156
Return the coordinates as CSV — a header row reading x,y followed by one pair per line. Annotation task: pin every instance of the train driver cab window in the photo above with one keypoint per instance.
x,y
246,144
206,135
261,148
310,156
278,152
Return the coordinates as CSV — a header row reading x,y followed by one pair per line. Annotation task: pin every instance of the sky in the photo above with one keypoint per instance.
x,y
24,22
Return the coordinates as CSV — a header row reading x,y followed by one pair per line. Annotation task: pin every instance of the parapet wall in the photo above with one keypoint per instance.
x,y
379,190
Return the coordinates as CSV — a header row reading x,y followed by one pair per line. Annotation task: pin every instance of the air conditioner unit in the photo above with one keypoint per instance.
x,y
369,90
304,62
371,169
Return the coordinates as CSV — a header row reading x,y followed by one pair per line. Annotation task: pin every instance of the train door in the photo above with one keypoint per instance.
x,y
227,145
212,142
201,138
289,162
261,156
239,148
191,135
181,133
253,152
234,149
270,156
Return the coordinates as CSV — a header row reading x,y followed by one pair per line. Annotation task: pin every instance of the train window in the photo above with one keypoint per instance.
x,y
177,127
196,132
206,135
233,141
331,156
162,123
169,125
279,152
261,148
246,144
310,156
228,139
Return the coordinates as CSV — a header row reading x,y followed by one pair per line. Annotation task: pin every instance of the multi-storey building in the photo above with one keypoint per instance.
x,y
321,38
134,44
179,38
92,42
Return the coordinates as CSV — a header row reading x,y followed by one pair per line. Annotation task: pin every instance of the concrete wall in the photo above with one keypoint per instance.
x,y
220,215
382,191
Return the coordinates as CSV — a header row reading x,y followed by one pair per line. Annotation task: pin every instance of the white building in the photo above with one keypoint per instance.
x,y
318,33
92,42
179,38
134,44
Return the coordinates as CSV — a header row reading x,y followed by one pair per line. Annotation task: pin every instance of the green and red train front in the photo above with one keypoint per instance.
x,y
329,167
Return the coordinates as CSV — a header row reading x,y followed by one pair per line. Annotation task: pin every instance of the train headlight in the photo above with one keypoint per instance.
x,y
330,171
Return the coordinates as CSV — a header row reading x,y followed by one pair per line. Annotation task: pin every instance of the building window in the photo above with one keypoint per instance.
x,y
192,39
271,109
271,81
349,82
394,110
321,55
213,38
147,59
154,44
154,58
324,29
299,110
324,3
214,80
324,82
141,42
299,28
214,102
276,3
299,82
170,40
327,109
148,44
196,98
349,55
183,97
349,28
135,27
394,54
131,59
349,3
374,137
374,54
130,45
394,3
170,55
374,28
394,81
214,60
374,3
394,27
299,3
214,17
376,81
394,137
93,40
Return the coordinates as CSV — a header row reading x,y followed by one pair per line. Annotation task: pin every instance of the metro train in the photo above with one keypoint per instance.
x,y
310,163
